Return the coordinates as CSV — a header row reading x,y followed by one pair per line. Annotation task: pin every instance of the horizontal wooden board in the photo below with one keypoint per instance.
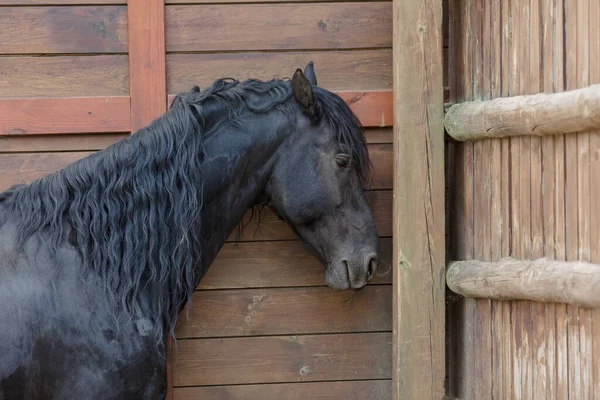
x,y
64,76
33,166
373,109
63,29
278,264
55,143
59,2
64,115
282,359
25,168
346,390
98,141
272,228
336,70
278,26
279,311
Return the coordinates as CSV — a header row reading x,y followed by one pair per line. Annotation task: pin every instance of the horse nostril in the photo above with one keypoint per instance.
x,y
371,266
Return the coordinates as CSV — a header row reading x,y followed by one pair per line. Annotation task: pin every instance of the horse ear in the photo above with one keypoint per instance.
x,y
303,93
309,72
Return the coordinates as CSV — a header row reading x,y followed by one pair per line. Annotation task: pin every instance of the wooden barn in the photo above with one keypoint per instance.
x,y
511,179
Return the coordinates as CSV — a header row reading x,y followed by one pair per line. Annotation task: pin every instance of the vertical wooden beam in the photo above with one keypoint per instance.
x,y
148,81
419,236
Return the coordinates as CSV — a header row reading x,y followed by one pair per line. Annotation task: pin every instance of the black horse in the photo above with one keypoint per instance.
x,y
97,259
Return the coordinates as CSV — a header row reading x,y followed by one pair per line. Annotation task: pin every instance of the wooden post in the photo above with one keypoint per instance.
x,y
543,280
418,207
148,82
147,59
533,115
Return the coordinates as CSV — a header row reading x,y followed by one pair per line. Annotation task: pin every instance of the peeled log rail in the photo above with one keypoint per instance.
x,y
535,115
544,280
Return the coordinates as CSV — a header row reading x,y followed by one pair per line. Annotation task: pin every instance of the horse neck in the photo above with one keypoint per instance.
x,y
238,165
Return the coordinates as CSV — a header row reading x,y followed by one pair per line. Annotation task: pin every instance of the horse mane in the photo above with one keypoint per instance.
x,y
134,208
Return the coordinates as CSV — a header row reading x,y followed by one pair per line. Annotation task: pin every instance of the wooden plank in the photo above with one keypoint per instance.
x,y
147,61
58,2
24,168
64,76
594,212
320,26
278,264
496,228
272,228
286,311
548,198
381,155
378,135
55,143
64,115
418,207
347,390
373,109
337,71
52,30
282,359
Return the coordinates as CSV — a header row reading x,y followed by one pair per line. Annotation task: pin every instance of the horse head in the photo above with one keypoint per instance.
x,y
317,185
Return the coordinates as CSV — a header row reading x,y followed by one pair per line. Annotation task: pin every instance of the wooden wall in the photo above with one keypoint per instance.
x,y
524,197
262,324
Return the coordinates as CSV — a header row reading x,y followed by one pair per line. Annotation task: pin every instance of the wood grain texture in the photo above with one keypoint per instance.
x,y
347,390
52,30
58,2
381,155
537,114
336,70
373,109
279,311
272,228
147,62
594,216
319,26
278,264
64,115
58,143
64,76
418,207
282,359
543,279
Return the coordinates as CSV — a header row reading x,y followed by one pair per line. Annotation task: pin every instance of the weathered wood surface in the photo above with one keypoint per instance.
x,y
282,359
418,207
373,109
64,115
278,264
56,143
58,29
64,76
347,390
279,311
533,115
33,166
349,70
147,61
59,2
99,141
542,280
318,26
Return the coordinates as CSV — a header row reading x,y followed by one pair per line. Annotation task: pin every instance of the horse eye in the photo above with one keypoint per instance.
x,y
343,160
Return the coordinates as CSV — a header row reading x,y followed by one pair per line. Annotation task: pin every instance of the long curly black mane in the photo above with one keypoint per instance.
x,y
133,209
